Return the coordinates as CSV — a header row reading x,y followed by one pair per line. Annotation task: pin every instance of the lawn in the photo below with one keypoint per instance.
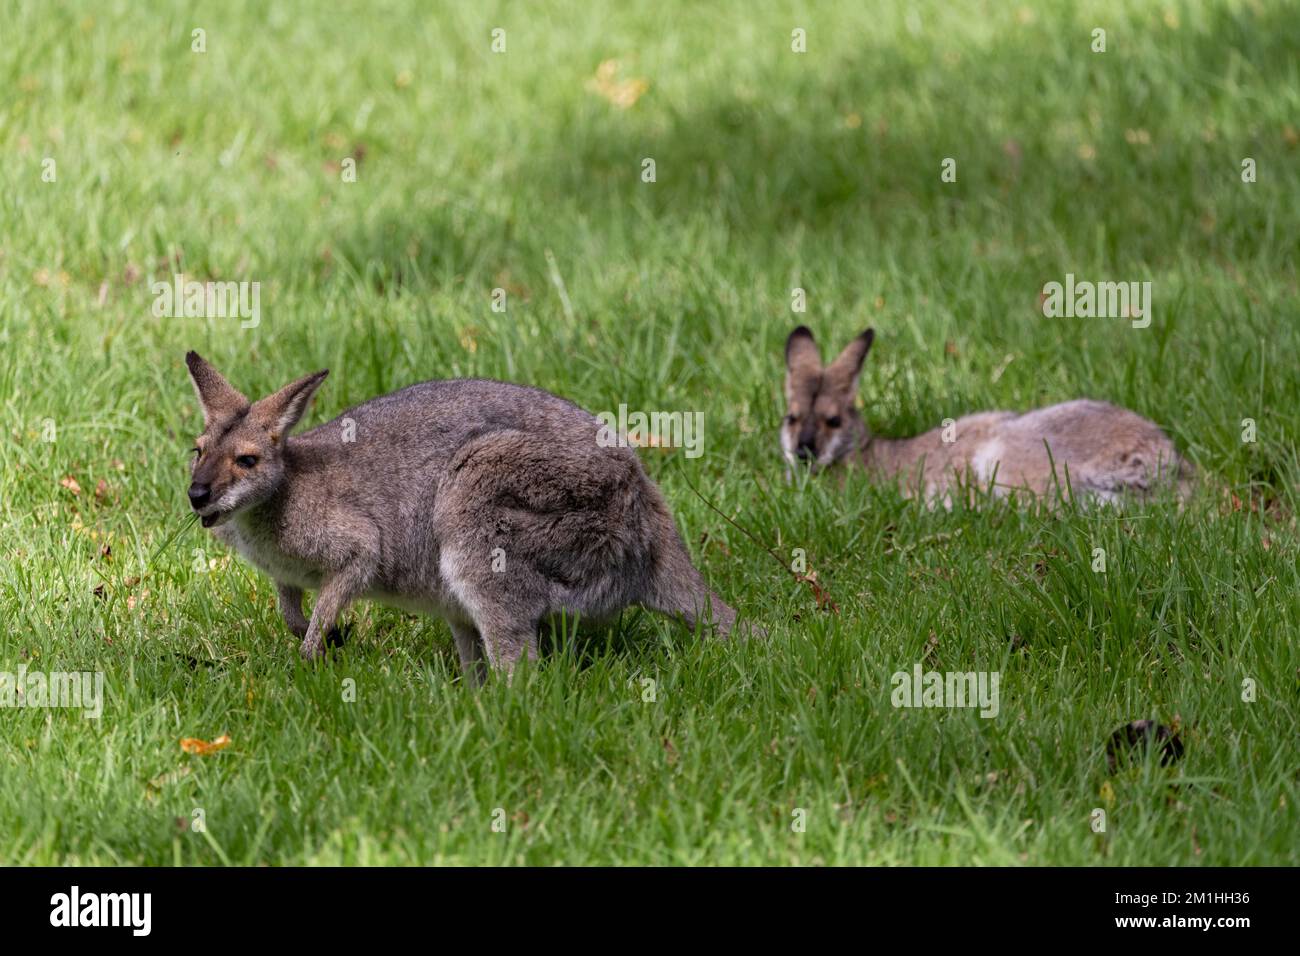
x,y
380,170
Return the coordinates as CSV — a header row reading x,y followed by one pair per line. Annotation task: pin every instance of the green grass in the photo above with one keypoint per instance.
x,y
774,170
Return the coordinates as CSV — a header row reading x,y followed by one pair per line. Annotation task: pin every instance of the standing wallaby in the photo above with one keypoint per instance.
x,y
1091,448
489,504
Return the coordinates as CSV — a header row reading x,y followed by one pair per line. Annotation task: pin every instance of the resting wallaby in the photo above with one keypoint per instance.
x,y
1105,452
491,505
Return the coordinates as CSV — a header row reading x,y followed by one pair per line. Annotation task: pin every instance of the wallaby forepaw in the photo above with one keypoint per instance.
x,y
312,650
338,635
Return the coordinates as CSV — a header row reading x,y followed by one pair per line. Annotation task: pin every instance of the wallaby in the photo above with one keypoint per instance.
x,y
492,505
1088,448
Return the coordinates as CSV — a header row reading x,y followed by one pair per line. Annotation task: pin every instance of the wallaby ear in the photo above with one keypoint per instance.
x,y
842,374
280,412
803,365
801,351
217,397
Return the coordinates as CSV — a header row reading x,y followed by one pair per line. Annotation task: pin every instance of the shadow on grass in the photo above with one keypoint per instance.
x,y
804,160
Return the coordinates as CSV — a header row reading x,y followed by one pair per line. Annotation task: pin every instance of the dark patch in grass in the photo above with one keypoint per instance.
x,y
1131,740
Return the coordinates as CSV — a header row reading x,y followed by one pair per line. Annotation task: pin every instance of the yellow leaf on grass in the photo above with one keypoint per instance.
x,y
193,745
622,93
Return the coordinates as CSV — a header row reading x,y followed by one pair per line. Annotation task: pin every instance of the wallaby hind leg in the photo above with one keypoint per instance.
x,y
504,627
503,608
507,641
473,659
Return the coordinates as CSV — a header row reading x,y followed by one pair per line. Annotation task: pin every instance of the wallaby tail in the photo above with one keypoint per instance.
x,y
678,589
673,585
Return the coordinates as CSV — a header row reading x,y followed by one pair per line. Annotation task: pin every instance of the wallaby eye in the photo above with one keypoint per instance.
x,y
833,422
246,461
791,419
195,452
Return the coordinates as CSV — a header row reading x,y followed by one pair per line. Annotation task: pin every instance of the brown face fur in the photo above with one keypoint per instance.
x,y
821,425
239,458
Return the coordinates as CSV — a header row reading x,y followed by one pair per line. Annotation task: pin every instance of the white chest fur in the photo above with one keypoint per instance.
x,y
259,549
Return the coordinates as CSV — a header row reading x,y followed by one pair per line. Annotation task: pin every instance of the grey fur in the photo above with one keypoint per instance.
x,y
440,475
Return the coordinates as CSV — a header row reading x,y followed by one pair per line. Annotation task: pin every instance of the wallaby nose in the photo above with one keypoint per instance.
x,y
199,495
804,452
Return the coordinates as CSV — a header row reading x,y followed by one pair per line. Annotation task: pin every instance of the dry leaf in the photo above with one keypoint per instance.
x,y
71,484
822,596
193,745
621,93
